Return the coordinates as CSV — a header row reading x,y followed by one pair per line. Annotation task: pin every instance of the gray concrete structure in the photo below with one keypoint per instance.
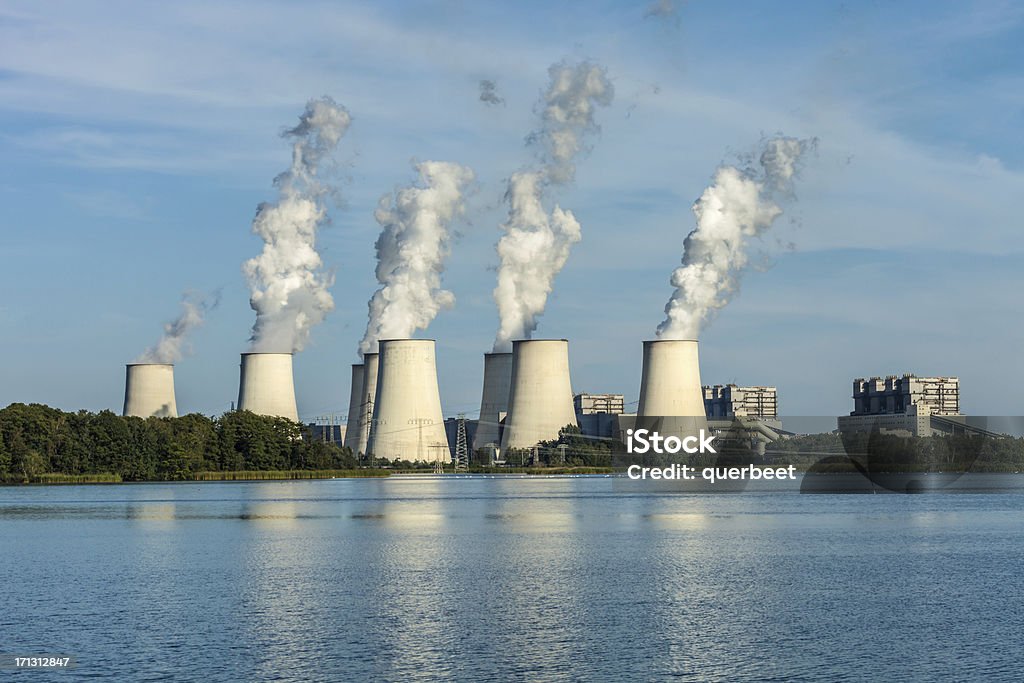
x,y
494,401
266,386
734,401
593,404
407,419
670,388
896,394
149,390
540,399
367,397
352,429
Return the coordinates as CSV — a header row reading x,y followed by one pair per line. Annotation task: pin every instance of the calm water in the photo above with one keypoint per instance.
x,y
508,579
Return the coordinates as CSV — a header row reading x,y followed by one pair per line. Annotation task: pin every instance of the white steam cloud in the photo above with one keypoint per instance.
x,y
411,252
740,204
489,93
289,290
535,244
174,343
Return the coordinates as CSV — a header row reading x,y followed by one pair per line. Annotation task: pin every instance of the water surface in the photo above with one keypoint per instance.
x,y
505,578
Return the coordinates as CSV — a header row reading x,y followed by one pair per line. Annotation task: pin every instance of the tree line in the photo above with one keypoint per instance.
x,y
36,440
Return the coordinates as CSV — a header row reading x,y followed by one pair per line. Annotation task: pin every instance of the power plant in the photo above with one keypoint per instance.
x,y
367,396
266,386
494,402
407,420
149,390
355,393
540,399
671,395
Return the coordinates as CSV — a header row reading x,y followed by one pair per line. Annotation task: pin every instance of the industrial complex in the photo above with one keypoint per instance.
x,y
394,409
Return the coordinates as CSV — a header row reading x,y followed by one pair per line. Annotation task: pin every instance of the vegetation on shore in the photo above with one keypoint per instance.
x,y
45,445
40,444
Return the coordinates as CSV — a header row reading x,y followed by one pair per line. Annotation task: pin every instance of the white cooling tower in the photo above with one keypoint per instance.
x,y
670,388
540,399
352,429
149,390
407,419
494,403
266,386
367,397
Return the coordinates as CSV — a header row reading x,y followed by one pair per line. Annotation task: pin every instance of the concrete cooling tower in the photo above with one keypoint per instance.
x,y
149,390
367,398
266,386
670,389
540,399
494,403
353,429
407,419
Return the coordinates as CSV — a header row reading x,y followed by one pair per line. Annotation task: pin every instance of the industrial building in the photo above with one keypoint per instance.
x,y
905,405
266,385
540,397
149,390
592,404
729,400
671,400
407,423
896,394
598,414
494,401
327,431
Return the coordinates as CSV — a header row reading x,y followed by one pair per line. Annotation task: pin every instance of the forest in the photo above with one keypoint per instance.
x,y
37,440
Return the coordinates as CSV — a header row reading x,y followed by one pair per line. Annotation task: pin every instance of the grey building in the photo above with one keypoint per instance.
x,y
597,414
729,400
591,404
896,394
905,405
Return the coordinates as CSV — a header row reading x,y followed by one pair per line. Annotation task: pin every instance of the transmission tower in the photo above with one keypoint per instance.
x,y
461,449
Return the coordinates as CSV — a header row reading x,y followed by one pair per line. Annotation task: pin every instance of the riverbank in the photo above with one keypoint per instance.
x,y
277,475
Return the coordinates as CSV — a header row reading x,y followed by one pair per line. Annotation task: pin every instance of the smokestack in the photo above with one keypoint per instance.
x,y
149,390
670,388
367,398
407,419
266,386
497,384
354,411
540,399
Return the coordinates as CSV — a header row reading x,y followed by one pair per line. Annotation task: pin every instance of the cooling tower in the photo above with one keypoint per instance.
x,y
407,420
540,399
497,383
266,386
353,429
149,390
670,388
367,396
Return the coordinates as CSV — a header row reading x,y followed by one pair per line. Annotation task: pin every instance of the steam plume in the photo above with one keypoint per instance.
x,y
289,290
489,93
173,344
739,204
535,244
411,252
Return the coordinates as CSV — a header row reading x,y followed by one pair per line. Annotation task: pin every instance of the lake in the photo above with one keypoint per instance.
x,y
508,578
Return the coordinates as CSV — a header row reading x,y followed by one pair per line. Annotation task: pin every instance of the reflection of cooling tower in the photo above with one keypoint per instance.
x,y
266,386
540,400
367,397
149,390
407,420
353,429
497,382
670,388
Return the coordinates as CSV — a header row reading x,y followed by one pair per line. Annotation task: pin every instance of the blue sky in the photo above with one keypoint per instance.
x,y
138,138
